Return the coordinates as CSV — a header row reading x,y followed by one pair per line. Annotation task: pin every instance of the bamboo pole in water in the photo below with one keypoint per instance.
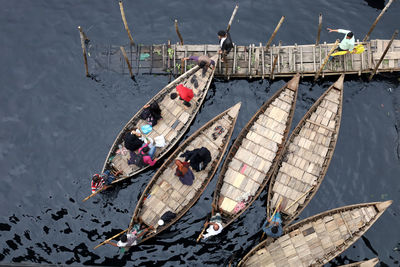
x,y
319,29
326,60
377,20
232,17
127,62
274,33
178,33
383,55
121,7
83,40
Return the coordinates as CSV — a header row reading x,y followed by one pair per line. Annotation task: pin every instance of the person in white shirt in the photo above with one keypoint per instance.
x,y
214,226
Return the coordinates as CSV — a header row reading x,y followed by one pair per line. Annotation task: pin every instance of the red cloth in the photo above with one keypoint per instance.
x,y
184,92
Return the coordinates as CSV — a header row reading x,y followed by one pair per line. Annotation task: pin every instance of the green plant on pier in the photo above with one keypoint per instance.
x,y
170,53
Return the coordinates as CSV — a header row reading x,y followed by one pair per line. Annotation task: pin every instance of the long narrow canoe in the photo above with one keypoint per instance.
x,y
175,122
251,158
166,193
318,239
307,155
368,263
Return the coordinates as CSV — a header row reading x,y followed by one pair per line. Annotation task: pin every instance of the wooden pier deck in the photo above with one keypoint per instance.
x,y
252,61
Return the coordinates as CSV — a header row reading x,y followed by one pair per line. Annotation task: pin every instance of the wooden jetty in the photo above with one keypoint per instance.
x,y
318,239
176,119
255,152
306,156
252,61
368,263
165,192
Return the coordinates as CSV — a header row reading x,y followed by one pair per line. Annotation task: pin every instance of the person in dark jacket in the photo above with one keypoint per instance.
x,y
198,158
132,140
184,173
225,43
151,113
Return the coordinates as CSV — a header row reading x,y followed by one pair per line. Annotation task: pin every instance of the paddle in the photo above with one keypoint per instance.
x,y
358,50
204,228
298,199
111,238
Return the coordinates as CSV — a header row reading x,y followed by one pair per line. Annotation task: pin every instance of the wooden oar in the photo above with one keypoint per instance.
x,y
273,214
297,200
202,232
95,193
111,238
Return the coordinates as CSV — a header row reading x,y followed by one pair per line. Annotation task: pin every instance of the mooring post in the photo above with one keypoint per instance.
x,y
127,62
178,33
83,39
121,7
326,59
232,17
319,29
274,33
384,54
271,76
376,20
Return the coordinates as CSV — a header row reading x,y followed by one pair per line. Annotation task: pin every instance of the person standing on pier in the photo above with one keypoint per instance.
x,y
347,44
225,43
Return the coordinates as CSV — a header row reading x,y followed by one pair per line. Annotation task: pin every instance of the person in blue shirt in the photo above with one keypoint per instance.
x,y
273,226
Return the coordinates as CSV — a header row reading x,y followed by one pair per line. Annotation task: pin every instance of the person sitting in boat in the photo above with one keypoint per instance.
x,y
347,44
133,140
198,158
214,226
225,43
151,113
185,94
144,156
273,226
203,61
131,239
184,173
99,180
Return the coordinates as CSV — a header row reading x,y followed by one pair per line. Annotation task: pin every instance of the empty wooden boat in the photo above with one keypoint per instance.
x,y
369,263
306,156
176,119
251,158
165,192
318,239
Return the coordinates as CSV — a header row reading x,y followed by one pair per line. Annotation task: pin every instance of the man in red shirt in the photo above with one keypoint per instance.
x,y
186,94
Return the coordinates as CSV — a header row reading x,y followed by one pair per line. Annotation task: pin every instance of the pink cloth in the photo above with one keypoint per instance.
x,y
146,158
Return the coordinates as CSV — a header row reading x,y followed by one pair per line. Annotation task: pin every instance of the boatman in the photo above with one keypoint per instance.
x,y
215,226
130,239
106,178
347,44
273,226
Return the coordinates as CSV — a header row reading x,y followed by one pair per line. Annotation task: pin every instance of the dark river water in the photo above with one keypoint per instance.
x,y
56,127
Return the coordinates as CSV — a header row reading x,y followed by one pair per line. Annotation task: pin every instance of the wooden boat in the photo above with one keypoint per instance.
x,y
165,192
251,158
318,239
368,263
175,122
307,155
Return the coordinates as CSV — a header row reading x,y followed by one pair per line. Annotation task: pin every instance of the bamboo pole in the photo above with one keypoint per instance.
x,y
384,54
377,20
326,60
319,29
121,7
178,33
271,75
111,238
232,17
95,193
127,62
274,33
83,39
298,199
